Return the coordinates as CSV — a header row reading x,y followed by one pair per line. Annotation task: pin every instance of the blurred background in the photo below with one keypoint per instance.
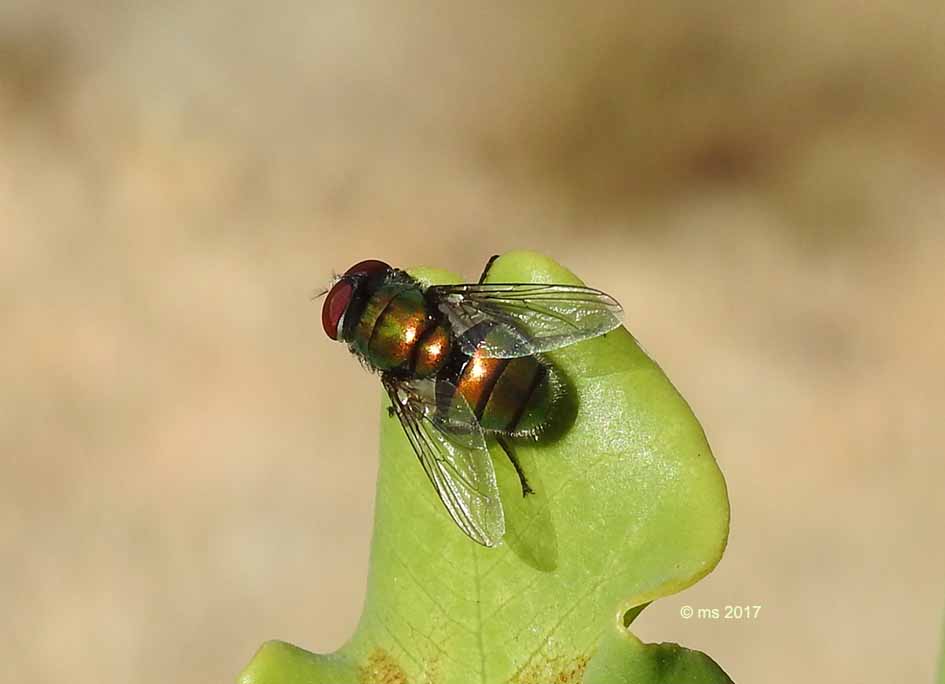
x,y
187,464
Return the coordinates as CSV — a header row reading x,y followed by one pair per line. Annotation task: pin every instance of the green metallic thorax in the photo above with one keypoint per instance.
x,y
392,322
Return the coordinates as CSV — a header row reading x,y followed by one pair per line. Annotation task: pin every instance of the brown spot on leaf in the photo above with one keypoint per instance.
x,y
381,668
557,670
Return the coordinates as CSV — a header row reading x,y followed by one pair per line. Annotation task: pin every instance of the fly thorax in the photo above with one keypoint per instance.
x,y
392,322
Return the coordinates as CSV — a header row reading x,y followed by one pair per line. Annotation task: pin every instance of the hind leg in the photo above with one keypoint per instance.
x,y
507,448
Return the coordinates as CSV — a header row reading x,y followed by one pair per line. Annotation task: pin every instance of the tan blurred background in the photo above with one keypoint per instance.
x,y
187,464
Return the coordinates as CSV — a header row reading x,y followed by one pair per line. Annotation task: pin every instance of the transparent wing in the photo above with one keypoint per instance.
x,y
508,320
452,450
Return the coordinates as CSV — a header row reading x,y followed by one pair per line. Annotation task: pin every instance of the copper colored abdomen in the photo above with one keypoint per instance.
x,y
508,395
432,350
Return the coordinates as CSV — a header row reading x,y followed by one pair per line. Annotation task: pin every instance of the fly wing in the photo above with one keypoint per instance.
x,y
454,455
525,318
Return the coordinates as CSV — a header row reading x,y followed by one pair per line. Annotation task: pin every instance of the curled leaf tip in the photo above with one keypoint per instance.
x,y
629,506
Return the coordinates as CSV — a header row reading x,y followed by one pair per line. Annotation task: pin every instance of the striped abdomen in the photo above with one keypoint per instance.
x,y
511,396
395,331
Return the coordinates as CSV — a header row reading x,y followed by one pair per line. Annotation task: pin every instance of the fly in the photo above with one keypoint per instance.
x,y
463,363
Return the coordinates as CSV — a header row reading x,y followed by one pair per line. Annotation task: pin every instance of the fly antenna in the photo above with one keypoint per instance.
x,y
318,294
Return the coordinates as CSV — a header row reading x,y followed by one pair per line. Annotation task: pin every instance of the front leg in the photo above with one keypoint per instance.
x,y
389,383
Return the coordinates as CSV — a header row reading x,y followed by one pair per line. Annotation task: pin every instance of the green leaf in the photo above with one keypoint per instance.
x,y
629,506
621,657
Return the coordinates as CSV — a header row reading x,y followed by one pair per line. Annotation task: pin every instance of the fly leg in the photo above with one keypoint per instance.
x,y
485,271
507,448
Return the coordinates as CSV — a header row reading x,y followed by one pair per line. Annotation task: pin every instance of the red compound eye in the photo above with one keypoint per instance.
x,y
336,303
367,268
